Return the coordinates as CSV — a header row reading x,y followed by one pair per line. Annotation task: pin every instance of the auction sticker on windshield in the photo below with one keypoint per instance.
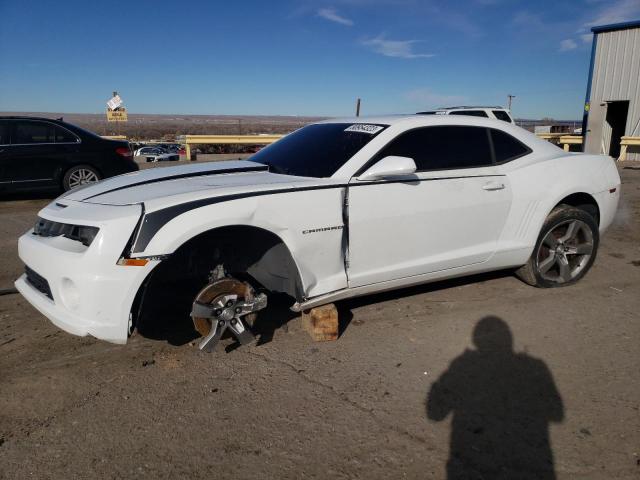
x,y
364,128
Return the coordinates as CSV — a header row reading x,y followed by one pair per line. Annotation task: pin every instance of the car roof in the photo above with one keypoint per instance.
x,y
407,122
473,107
422,120
27,117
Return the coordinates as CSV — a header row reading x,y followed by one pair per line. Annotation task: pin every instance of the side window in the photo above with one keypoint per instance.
x,y
502,115
472,113
33,132
64,136
443,148
506,147
4,132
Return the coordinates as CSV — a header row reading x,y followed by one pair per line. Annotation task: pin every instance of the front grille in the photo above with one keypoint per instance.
x,y
38,282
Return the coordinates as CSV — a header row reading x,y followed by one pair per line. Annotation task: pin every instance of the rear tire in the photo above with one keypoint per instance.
x,y
565,250
79,175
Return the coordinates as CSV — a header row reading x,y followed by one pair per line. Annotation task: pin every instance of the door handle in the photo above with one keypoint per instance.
x,y
493,186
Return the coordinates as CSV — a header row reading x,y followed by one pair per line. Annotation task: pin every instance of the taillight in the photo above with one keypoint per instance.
x,y
124,152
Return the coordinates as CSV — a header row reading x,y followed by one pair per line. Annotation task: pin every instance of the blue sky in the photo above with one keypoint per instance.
x,y
300,57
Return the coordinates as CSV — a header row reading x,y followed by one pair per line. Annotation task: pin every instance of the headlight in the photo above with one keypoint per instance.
x,y
80,233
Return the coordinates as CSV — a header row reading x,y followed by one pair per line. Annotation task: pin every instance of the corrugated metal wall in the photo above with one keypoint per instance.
x,y
616,76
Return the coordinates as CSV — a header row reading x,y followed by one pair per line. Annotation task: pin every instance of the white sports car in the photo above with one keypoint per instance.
x,y
336,209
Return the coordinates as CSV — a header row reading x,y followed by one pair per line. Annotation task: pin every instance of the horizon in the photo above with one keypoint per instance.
x,y
235,116
301,57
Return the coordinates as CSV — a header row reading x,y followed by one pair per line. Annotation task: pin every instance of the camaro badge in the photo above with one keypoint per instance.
x,y
323,229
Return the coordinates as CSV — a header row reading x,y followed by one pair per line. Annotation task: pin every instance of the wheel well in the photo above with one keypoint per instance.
x,y
583,201
246,252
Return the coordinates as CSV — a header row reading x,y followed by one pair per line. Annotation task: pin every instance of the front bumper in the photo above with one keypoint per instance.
x,y
89,293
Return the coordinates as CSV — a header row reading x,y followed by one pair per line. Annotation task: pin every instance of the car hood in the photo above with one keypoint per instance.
x,y
160,187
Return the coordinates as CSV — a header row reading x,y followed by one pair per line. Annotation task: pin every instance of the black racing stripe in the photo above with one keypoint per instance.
x,y
184,175
154,221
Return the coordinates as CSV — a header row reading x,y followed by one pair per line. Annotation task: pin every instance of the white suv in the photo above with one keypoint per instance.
x,y
499,113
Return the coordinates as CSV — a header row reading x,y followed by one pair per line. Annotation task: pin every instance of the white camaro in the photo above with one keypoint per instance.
x,y
337,209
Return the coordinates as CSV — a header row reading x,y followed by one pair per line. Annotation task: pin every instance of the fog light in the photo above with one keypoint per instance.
x,y
69,294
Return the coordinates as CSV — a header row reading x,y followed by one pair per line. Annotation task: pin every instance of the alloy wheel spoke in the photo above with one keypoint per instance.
x,y
564,269
550,240
547,263
572,231
82,177
582,249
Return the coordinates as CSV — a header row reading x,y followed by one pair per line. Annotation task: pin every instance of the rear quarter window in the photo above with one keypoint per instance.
x,y
64,136
506,147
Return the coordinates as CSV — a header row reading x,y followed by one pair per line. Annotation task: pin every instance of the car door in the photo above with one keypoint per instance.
x,y
5,149
41,151
450,215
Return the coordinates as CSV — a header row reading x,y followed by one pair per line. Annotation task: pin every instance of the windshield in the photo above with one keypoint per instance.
x,y
317,150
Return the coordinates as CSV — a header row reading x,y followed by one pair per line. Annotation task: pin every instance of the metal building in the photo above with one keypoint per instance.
x,y
612,106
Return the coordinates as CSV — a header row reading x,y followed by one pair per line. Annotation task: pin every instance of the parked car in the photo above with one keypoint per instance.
x,y
169,147
336,209
47,153
499,113
148,151
157,154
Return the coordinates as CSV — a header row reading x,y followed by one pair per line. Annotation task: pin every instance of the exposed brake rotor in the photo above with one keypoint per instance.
x,y
223,304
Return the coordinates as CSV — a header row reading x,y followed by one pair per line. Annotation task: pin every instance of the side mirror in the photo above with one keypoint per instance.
x,y
391,166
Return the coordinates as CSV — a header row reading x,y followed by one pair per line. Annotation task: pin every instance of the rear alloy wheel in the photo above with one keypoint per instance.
x,y
79,175
565,250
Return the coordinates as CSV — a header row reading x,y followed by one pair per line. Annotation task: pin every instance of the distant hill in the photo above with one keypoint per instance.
x,y
146,126
143,126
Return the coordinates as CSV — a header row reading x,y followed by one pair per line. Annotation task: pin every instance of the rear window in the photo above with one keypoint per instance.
x,y
472,113
317,150
502,115
506,147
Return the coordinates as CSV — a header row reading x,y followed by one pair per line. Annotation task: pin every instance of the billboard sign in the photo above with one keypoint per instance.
x,y
119,115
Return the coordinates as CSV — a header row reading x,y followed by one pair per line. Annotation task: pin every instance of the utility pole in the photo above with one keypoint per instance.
x,y
510,97
358,107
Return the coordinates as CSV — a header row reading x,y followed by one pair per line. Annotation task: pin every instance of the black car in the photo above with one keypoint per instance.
x,y
46,153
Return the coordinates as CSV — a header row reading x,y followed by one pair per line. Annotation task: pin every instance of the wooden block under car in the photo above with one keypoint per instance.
x,y
321,323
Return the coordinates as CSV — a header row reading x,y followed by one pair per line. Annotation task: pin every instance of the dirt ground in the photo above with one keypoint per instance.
x,y
565,399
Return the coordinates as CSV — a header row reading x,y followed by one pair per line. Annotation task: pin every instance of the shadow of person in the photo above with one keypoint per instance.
x,y
502,403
